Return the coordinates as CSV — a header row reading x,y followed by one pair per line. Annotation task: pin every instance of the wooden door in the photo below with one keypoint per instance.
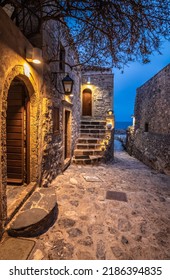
x,y
15,133
87,103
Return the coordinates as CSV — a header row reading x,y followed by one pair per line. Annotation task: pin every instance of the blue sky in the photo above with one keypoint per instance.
x,y
134,76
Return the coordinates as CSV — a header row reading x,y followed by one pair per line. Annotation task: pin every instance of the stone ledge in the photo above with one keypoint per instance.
x,y
39,224
36,216
18,203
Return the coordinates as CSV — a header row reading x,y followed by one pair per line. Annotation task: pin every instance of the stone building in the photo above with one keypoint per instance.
x,y
96,92
149,140
40,125
95,142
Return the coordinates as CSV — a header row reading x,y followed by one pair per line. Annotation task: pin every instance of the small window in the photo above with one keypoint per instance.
x,y
62,59
56,120
146,127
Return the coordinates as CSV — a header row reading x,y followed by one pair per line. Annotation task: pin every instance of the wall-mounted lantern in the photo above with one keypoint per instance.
x,y
109,125
34,55
133,119
110,112
88,81
67,85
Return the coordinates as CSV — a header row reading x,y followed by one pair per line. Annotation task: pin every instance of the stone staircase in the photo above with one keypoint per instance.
x,y
90,146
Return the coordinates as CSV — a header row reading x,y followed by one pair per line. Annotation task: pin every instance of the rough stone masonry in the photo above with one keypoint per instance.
x,y
149,141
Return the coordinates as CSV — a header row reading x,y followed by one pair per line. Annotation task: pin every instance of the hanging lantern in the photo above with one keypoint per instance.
x,y
67,85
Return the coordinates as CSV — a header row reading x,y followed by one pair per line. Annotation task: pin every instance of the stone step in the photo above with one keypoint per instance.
x,y
87,126
79,152
90,140
92,135
82,161
93,122
81,156
37,214
91,130
89,146
99,158
91,160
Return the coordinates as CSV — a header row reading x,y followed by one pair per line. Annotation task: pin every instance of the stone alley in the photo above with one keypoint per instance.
x,y
94,223
66,97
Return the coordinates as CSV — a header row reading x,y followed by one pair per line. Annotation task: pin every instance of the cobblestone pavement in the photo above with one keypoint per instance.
x,y
91,225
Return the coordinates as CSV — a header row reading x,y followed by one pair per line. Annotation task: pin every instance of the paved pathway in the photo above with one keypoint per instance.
x,y
91,226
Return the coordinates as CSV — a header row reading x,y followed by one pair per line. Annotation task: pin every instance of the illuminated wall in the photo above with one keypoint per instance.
x,y
47,104
13,64
100,81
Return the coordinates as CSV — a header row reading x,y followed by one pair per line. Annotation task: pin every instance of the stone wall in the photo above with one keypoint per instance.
x,y
13,64
44,86
101,85
129,140
151,137
53,162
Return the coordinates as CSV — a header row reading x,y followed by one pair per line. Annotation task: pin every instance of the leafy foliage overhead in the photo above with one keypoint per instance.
x,y
104,31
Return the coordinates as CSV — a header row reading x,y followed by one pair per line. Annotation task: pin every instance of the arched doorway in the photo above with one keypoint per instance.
x,y
17,133
87,102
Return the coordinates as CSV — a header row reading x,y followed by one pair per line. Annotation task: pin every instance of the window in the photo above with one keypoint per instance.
x,y
62,59
56,120
146,127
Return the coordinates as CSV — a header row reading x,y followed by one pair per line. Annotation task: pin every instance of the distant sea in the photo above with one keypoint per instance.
x,y
122,125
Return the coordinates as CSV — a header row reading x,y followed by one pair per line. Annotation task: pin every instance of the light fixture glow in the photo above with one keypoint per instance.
x,y
109,125
88,81
110,112
67,85
34,55
133,119
36,61
26,70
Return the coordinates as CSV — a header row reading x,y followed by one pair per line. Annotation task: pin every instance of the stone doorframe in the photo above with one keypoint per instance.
x,y
17,72
69,136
